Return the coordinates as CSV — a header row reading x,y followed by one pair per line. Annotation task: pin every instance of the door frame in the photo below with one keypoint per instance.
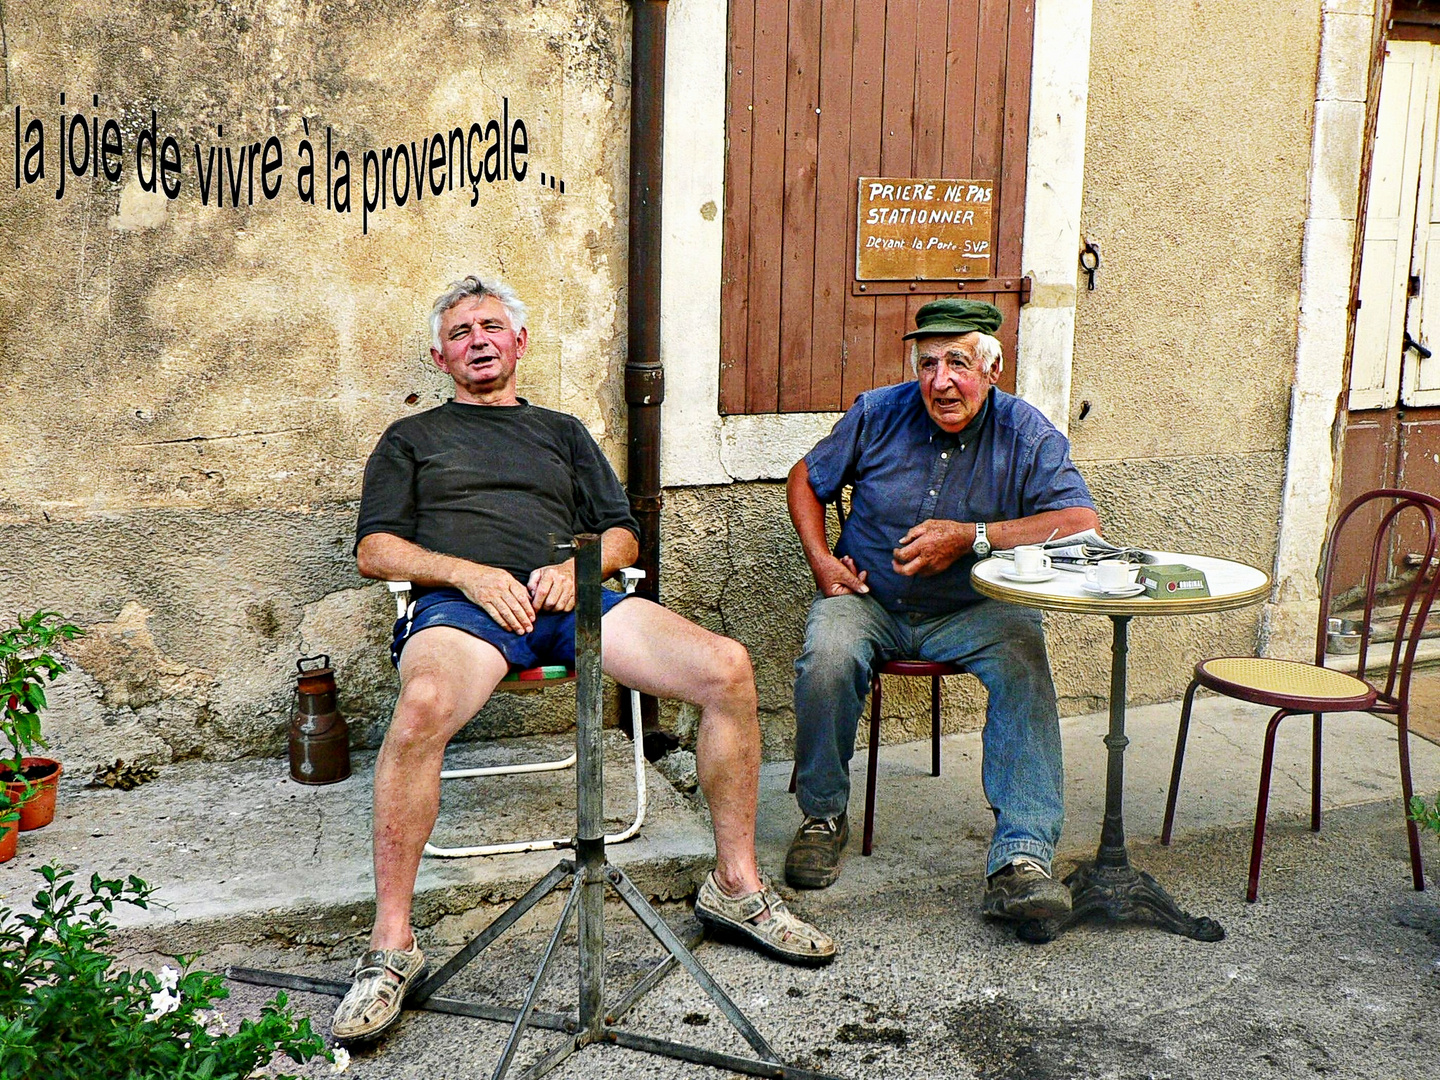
x,y
1352,43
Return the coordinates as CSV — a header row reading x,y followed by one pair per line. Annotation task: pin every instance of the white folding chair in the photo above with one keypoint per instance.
x,y
534,679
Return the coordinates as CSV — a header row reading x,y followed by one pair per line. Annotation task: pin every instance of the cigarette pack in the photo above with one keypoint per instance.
x,y
1172,581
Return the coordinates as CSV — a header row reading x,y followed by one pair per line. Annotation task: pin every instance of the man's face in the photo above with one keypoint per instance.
x,y
951,382
479,349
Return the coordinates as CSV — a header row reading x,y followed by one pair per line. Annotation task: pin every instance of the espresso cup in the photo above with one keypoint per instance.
x,y
1111,576
1030,559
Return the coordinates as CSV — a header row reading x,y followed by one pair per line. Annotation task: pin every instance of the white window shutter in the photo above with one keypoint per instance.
x,y
1420,378
1390,226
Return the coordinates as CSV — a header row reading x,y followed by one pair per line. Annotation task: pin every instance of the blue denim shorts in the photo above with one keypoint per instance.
x,y
551,642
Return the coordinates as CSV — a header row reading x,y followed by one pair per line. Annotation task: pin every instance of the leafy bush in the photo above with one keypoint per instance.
x,y
1426,816
27,662
67,1013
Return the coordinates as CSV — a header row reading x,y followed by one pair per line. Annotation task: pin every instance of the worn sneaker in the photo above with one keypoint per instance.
x,y
372,1004
762,920
813,861
1025,890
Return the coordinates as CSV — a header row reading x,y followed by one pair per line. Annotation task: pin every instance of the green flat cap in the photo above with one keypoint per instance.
x,y
956,317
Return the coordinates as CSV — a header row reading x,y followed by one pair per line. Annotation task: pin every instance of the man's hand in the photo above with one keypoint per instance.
x,y
502,597
552,588
932,546
838,577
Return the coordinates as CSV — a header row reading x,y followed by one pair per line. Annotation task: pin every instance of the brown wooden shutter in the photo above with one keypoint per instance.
x,y
820,95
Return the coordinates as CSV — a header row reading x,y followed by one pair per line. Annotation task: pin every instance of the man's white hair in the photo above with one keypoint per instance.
x,y
477,287
987,349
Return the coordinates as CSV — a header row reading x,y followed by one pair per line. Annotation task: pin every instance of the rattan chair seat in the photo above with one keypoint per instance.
x,y
1287,683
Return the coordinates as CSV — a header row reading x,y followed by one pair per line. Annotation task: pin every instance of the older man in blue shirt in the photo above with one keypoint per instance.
x,y
942,470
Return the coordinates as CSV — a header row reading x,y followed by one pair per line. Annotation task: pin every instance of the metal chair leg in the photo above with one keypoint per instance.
x,y
1179,762
1407,790
874,763
934,725
1315,773
1257,847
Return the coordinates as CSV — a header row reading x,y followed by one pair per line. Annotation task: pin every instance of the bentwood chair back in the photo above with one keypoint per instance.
x,y
1377,526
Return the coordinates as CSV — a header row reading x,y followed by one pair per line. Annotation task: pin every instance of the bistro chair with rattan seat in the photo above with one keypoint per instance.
x,y
1378,522
897,667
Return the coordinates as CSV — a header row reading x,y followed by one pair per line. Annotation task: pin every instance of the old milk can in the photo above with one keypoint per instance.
x,y
319,736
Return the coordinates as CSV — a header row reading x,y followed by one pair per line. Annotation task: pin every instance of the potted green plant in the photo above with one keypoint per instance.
x,y
1426,816
9,831
10,813
27,662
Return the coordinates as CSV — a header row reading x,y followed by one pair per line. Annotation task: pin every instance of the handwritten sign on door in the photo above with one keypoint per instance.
x,y
923,230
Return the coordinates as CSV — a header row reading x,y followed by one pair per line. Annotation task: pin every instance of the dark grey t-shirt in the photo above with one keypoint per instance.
x,y
491,484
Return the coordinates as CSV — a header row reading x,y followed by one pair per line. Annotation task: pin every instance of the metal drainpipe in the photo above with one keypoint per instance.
x,y
644,374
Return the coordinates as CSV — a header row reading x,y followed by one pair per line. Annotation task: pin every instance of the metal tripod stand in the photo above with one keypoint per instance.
x,y
590,874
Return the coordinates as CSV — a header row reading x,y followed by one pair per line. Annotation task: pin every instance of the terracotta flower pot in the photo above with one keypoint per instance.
x,y
44,774
9,840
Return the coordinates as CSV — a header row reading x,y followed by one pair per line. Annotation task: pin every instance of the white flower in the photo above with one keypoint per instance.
x,y
161,1003
169,978
342,1060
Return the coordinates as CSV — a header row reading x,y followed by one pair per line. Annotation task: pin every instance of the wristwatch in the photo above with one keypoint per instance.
x,y
982,542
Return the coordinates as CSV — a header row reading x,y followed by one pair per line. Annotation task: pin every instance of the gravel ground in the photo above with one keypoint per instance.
x,y
1333,973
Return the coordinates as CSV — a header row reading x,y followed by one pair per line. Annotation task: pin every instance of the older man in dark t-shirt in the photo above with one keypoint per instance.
x,y
462,501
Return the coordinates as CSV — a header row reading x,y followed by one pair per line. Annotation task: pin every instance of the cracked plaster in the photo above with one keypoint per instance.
x,y
190,392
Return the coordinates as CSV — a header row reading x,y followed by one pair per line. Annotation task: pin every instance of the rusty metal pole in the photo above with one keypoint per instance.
x,y
589,784
644,373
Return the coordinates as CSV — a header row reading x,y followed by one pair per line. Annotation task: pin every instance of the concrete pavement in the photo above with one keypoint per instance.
x,y
1332,973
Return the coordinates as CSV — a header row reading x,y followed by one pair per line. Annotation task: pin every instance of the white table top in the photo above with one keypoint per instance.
x,y
1232,584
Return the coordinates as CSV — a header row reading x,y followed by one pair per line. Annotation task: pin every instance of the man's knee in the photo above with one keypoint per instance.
x,y
426,713
731,676
836,644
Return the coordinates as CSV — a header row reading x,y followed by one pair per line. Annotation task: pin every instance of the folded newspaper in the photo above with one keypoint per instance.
x,y
1085,548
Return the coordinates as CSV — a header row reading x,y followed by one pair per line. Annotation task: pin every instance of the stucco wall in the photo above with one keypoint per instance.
x,y
189,392
1197,154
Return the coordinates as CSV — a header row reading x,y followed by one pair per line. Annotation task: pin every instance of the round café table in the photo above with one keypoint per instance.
x,y
1109,886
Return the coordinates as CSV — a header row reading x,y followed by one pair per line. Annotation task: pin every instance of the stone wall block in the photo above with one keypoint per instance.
x,y
1335,182
1344,57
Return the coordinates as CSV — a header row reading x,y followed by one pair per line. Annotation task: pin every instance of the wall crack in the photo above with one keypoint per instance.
x,y
217,438
5,52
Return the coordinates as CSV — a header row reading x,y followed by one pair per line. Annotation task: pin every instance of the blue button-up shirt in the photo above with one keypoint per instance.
x,y
1008,462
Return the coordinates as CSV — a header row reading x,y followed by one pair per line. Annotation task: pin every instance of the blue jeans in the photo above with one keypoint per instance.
x,y
1001,644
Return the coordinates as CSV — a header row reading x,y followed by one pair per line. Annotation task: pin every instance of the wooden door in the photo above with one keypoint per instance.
x,y
1392,433
819,95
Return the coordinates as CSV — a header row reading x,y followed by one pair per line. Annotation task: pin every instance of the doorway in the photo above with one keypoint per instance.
x,y
1392,433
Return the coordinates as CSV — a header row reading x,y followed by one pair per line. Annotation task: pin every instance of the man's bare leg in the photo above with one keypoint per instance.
x,y
446,675
658,652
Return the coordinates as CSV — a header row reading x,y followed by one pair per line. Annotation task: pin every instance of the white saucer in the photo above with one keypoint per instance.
x,y
1134,589
1027,579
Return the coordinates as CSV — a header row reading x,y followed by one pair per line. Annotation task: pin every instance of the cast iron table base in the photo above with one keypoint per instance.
x,y
1110,887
